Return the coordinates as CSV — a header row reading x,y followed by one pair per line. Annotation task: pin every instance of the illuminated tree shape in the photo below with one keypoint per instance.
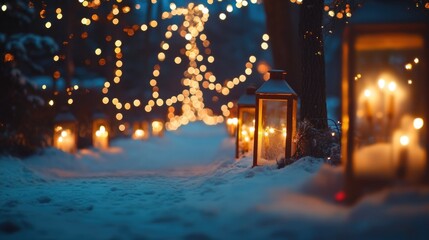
x,y
192,98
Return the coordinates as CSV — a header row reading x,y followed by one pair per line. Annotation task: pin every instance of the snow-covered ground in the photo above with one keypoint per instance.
x,y
187,185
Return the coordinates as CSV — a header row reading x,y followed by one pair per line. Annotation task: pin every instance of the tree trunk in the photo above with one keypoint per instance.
x,y
69,71
313,95
282,25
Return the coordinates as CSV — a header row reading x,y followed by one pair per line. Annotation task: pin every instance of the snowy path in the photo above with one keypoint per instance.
x,y
127,193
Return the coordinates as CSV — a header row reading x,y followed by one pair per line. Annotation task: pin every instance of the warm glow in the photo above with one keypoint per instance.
x,y
404,140
418,123
408,66
136,103
138,134
367,93
101,132
265,37
381,83
392,86
232,121
64,133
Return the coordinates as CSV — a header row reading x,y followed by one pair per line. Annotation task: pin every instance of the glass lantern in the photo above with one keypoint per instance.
x,y
246,123
275,120
385,103
100,131
65,132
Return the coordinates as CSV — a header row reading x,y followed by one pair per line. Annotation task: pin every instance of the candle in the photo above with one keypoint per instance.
x,y
101,138
391,102
65,141
367,105
157,128
231,124
403,156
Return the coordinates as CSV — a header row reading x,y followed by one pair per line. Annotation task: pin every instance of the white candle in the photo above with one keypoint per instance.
x,y
367,105
403,156
391,102
101,138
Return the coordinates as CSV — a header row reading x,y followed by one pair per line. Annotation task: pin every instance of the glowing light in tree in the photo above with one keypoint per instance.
x,y
197,56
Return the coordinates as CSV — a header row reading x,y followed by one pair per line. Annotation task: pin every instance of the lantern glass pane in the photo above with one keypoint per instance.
x,y
246,131
389,78
272,130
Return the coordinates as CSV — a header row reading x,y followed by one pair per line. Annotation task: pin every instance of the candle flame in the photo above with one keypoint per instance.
x,y
139,133
392,86
418,123
232,121
64,133
367,93
404,140
101,132
381,83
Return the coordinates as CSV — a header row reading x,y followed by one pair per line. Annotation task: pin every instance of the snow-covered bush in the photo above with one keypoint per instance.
x,y
320,143
23,126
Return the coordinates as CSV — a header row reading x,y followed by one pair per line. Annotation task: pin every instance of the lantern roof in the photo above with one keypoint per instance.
x,y
276,85
248,99
65,117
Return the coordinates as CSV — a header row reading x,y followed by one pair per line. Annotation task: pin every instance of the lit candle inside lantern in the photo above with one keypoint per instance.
x,y
157,128
391,103
418,123
231,124
381,83
381,86
252,132
101,138
65,141
404,140
138,134
367,105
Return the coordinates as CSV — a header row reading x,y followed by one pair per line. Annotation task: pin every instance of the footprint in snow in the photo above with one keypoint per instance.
x,y
44,199
11,203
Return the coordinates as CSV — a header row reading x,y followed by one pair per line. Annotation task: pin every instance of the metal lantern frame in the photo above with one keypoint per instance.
x,y
351,46
276,89
245,104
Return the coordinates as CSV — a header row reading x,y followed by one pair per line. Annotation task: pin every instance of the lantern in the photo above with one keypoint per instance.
x,y
246,122
276,110
65,132
157,128
141,130
100,131
385,104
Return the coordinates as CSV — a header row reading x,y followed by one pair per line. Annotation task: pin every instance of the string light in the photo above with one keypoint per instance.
x,y
196,79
